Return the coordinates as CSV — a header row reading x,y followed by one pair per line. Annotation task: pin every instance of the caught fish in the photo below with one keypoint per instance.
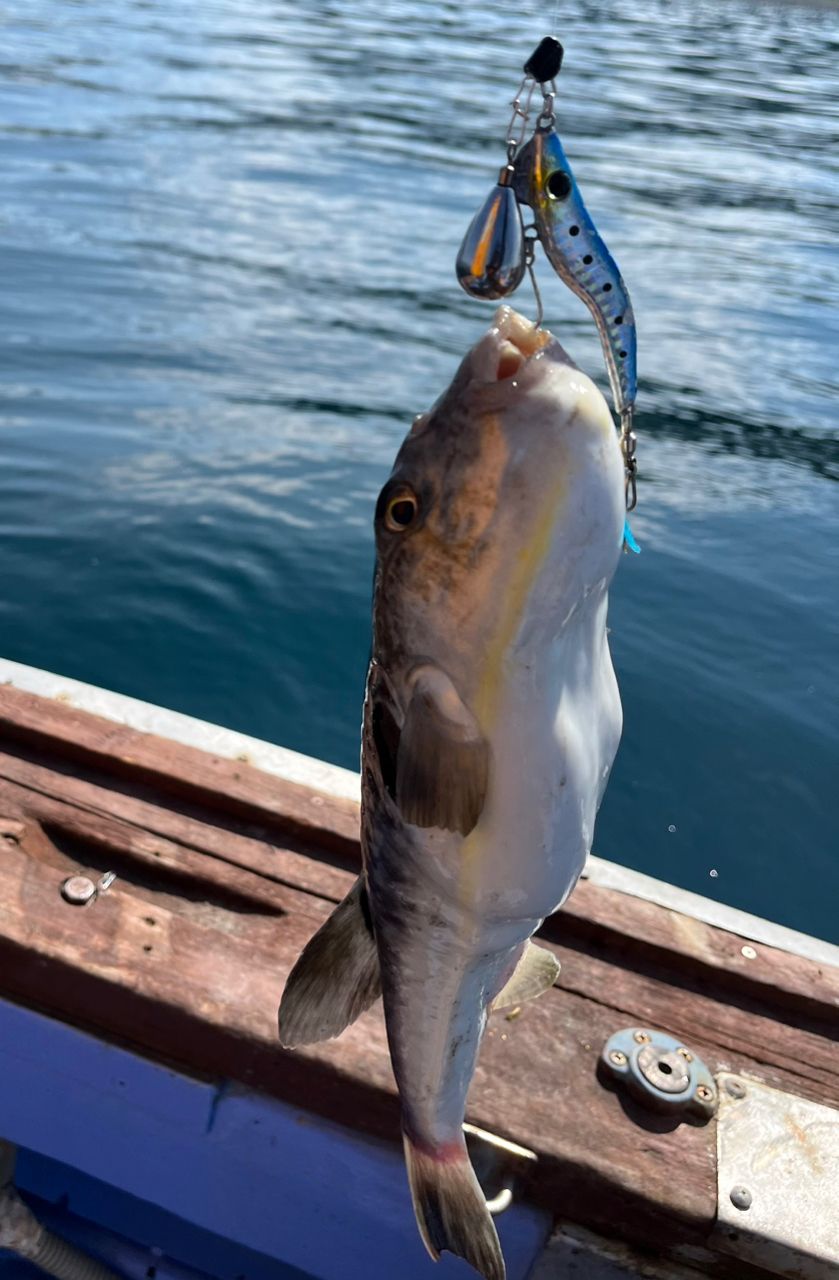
x,y
491,720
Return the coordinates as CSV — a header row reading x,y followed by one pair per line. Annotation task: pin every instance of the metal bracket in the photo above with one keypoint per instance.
x,y
777,1180
660,1073
500,1166
80,891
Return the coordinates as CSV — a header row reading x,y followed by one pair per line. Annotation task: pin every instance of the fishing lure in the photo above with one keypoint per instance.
x,y
497,249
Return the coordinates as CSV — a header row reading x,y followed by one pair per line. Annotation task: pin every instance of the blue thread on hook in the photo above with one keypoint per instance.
x,y
628,539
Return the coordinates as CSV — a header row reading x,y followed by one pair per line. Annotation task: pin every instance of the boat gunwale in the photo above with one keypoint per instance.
x,y
342,784
224,871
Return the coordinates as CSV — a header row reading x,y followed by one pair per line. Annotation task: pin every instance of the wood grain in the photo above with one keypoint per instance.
x,y
223,876
686,943
232,786
242,814
241,845
205,997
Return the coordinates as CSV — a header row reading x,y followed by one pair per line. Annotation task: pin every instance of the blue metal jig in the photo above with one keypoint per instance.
x,y
497,250
577,253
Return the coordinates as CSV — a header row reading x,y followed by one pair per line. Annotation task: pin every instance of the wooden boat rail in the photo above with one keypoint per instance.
x,y
223,872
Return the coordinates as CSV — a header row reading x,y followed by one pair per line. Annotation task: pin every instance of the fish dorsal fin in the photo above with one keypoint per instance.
x,y
537,970
336,976
443,761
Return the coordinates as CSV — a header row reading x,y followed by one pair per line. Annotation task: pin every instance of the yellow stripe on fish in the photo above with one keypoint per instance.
x,y
488,696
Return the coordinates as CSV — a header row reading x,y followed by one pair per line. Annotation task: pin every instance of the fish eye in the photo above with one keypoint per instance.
x,y
401,510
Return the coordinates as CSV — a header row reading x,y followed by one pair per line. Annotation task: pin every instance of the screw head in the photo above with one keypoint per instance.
x,y
78,891
617,1058
685,1053
748,952
641,1037
740,1197
735,1088
703,1093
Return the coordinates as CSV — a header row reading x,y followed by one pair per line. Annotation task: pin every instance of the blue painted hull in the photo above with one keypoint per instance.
x,y
147,1168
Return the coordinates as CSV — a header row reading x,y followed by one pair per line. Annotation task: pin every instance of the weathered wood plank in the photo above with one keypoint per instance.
x,y
237,796
186,957
206,998
804,1058
232,786
71,840
686,943
576,1254
248,848
623,978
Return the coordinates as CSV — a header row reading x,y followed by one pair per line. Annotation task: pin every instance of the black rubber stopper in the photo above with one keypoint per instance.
x,y
545,60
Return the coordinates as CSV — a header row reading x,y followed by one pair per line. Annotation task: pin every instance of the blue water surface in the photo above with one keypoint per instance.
x,y
227,233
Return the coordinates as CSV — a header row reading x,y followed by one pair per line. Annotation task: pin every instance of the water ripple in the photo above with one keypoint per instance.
x,y
226,241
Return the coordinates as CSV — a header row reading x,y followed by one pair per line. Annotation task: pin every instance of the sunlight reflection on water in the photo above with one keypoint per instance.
x,y
227,251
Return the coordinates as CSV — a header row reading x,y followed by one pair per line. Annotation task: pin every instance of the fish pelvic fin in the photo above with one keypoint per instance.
x,y
537,970
451,1209
336,976
442,769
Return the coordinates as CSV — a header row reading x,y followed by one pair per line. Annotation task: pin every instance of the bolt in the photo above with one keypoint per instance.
x,y
641,1037
748,952
685,1053
703,1093
740,1197
617,1058
735,1088
78,891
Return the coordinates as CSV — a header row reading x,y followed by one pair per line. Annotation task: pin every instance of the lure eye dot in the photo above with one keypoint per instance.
x,y
559,185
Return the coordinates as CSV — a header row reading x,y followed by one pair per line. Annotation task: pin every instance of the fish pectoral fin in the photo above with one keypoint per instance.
x,y
537,970
336,976
442,766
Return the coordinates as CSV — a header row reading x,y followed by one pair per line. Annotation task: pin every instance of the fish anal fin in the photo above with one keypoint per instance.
x,y
537,970
451,1209
336,976
443,762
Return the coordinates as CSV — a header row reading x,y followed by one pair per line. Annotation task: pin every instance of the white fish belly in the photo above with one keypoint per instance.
x,y
557,733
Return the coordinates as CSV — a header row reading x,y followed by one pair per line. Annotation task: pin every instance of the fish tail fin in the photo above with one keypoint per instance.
x,y
451,1209
336,976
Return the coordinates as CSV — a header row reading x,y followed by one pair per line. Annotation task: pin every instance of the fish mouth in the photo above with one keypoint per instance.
x,y
506,351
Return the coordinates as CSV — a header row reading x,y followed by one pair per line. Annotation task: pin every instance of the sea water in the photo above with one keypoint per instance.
x,y
227,241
